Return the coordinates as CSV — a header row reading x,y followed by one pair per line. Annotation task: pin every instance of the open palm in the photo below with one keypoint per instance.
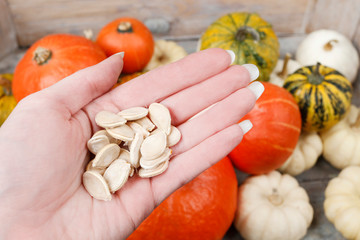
x,y
43,144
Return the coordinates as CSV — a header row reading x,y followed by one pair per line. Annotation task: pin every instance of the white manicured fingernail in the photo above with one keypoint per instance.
x,y
253,71
232,55
257,88
120,53
245,126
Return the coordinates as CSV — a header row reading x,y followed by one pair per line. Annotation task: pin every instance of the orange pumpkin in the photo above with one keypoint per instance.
x,y
131,36
51,59
123,78
202,209
277,125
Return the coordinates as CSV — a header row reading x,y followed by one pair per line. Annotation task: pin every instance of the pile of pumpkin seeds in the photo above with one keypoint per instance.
x,y
135,140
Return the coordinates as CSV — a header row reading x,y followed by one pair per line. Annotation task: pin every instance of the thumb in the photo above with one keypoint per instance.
x,y
77,90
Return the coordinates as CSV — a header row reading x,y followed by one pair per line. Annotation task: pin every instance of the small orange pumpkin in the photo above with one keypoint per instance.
x,y
131,36
51,59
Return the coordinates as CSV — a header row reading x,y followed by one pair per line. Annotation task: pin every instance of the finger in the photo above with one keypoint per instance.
x,y
80,88
186,166
223,114
182,105
167,80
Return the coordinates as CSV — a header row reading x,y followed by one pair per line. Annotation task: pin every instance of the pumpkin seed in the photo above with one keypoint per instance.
x,y
153,163
89,167
106,155
105,133
108,119
154,145
174,136
134,113
160,116
96,143
147,173
117,174
123,132
96,185
132,171
146,123
138,128
135,150
124,154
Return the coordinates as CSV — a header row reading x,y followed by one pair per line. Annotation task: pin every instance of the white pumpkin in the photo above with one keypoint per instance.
x,y
272,207
342,202
165,52
283,68
306,153
332,49
342,141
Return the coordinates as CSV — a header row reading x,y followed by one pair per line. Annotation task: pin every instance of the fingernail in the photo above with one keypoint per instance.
x,y
257,88
253,71
120,53
245,126
232,55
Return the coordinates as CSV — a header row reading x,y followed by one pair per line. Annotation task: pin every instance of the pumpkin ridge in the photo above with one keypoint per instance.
x,y
287,125
235,24
224,27
336,103
280,100
247,19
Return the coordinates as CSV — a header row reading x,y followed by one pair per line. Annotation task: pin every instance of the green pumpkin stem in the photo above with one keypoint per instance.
x,y
42,55
125,27
6,84
316,78
247,32
284,70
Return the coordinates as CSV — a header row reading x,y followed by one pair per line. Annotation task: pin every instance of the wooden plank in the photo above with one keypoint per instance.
x,y
36,18
7,31
340,15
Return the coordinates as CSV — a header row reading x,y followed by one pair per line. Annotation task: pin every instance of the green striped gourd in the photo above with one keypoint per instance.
x,y
249,36
323,95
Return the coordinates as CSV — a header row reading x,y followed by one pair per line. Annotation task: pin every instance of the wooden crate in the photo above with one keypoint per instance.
x,y
24,22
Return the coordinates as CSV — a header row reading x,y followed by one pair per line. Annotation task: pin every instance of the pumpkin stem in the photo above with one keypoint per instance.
x,y
42,55
6,84
275,197
316,78
284,70
88,34
125,27
330,44
247,32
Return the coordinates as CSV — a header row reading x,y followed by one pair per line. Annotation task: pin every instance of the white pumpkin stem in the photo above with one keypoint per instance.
x,y
89,34
330,44
275,197
124,27
284,70
42,55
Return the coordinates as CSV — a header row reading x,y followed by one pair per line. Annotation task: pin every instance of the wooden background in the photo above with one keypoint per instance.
x,y
24,22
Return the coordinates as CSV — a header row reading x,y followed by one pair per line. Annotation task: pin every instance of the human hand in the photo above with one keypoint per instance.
x,y
43,144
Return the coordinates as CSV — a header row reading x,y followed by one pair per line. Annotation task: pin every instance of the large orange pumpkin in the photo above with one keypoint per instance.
x,y
131,36
51,59
202,209
276,128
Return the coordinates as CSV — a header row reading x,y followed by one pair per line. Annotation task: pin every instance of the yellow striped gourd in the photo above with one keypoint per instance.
x,y
249,36
322,93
